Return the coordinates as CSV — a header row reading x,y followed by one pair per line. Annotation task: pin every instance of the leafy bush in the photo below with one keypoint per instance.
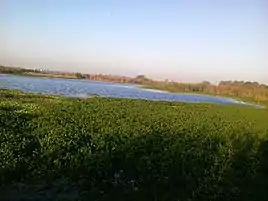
x,y
119,149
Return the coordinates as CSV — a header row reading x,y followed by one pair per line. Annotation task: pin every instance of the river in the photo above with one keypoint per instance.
x,y
83,88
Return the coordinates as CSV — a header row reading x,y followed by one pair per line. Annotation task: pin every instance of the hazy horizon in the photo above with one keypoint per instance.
x,y
177,40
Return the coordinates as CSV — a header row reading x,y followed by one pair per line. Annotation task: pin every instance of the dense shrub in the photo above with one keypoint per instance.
x,y
119,149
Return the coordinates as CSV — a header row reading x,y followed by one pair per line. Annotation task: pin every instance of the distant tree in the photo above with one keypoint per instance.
x,y
225,82
206,83
87,76
79,75
141,77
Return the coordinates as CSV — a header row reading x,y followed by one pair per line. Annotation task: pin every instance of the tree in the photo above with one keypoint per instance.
x,y
141,77
79,75
206,83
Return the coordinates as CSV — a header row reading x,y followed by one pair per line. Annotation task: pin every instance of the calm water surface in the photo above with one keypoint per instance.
x,y
83,88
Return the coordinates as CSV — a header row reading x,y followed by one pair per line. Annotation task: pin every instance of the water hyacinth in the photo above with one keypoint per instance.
x,y
122,149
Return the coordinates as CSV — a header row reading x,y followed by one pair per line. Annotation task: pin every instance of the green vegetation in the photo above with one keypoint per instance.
x,y
39,73
122,149
14,70
245,90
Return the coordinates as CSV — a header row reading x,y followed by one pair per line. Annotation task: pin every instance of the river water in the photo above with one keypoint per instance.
x,y
83,88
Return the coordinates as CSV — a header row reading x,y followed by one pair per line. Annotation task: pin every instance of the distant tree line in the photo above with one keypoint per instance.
x,y
14,70
243,89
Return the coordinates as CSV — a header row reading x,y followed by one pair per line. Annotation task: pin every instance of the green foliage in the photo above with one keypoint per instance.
x,y
120,149
241,89
79,75
14,70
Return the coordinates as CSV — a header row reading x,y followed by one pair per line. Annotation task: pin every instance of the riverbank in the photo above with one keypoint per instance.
x,y
243,100
244,90
98,148
80,88
43,75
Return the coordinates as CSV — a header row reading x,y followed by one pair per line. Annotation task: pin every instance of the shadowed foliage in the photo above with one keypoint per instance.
x,y
120,149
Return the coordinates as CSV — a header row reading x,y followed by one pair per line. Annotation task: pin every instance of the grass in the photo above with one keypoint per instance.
x,y
171,90
122,149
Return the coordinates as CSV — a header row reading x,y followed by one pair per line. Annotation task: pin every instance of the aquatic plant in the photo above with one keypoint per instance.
x,y
123,149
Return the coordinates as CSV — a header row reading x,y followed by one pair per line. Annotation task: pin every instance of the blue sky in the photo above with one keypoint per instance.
x,y
183,40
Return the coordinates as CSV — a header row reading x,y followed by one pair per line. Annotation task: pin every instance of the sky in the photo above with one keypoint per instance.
x,y
180,40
